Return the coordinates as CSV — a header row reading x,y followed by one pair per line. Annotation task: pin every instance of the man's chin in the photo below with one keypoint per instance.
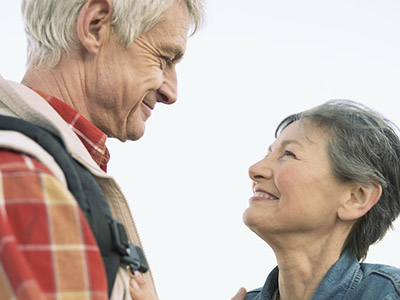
x,y
134,138
126,138
129,132
136,134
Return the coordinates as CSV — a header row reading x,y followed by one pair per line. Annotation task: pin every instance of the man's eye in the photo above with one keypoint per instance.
x,y
289,153
165,62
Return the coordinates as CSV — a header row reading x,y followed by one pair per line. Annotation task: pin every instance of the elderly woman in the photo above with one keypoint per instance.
x,y
328,188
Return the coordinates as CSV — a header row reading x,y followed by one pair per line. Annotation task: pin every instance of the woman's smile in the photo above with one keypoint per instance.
x,y
261,195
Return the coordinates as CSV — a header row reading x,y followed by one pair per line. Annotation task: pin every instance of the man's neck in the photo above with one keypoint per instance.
x,y
64,85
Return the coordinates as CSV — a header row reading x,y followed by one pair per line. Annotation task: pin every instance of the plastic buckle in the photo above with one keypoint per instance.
x,y
120,238
131,255
136,259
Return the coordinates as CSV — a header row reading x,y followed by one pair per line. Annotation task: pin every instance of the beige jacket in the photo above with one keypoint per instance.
x,y
19,101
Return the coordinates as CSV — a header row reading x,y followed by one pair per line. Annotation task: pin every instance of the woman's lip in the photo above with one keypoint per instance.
x,y
261,199
262,195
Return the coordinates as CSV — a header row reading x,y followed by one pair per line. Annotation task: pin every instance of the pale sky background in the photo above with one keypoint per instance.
x,y
254,63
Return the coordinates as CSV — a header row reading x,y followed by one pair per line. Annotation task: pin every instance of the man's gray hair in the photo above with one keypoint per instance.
x,y
363,147
50,24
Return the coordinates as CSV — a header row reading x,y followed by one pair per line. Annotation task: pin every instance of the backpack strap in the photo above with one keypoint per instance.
x,y
110,234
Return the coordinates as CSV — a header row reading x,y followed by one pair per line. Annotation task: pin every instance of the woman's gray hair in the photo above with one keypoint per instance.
x,y
50,24
363,147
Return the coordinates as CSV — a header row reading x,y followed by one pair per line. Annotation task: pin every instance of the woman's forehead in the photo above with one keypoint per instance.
x,y
302,132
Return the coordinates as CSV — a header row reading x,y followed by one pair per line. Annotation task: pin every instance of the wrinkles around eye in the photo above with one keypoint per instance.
x,y
289,153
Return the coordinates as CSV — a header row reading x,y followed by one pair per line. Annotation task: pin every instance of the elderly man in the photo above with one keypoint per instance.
x,y
96,68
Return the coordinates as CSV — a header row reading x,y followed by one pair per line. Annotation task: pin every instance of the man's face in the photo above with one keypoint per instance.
x,y
128,82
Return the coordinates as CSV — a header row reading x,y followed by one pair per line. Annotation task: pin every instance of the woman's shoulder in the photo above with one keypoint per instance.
x,y
254,294
379,269
267,291
381,277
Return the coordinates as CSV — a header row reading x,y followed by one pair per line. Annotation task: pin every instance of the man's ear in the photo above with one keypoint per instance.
x,y
94,23
360,201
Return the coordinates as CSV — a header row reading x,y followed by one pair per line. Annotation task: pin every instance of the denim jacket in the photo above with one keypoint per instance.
x,y
347,279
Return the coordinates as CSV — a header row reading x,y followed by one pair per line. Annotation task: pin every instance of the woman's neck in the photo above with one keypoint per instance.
x,y
304,263
300,276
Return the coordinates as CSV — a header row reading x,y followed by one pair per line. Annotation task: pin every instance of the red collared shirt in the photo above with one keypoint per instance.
x,y
47,250
92,137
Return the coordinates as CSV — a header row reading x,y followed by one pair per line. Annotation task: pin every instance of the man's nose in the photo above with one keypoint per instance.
x,y
169,88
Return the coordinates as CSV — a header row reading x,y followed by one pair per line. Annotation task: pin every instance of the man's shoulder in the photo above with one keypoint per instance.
x,y
23,148
19,162
26,182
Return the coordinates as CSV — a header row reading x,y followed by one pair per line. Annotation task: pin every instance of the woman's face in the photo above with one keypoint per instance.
x,y
295,191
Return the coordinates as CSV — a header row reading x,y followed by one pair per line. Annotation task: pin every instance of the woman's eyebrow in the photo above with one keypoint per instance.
x,y
287,142
284,143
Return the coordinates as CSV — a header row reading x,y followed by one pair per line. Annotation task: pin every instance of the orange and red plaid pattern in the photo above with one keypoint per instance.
x,y
92,137
47,250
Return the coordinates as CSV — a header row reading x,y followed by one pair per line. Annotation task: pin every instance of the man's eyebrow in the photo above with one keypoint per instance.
x,y
175,53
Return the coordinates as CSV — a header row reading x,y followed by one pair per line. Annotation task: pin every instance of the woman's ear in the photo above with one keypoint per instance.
x,y
94,24
360,201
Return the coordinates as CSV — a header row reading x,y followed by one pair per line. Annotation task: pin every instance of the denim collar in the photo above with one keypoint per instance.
x,y
341,278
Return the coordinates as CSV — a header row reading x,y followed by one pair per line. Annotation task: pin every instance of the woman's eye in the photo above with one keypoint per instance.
x,y
289,153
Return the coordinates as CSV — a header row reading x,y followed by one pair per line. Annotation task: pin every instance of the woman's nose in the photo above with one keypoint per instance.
x,y
260,170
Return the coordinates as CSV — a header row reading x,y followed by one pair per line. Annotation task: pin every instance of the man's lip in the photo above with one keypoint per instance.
x,y
146,110
149,104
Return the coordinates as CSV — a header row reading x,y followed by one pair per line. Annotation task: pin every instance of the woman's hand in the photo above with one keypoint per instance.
x,y
139,289
240,295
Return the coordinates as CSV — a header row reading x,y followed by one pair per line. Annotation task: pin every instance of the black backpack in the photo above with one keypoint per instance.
x,y
110,234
